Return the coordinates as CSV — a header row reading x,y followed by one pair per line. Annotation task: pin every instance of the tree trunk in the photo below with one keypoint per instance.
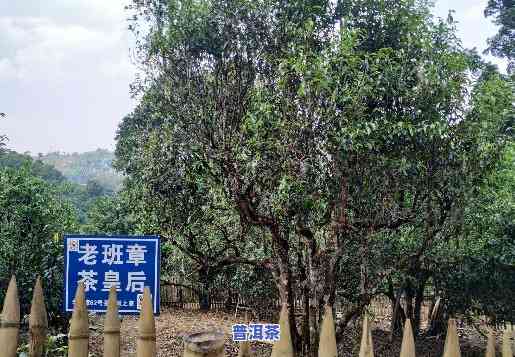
x,y
409,301
304,283
181,298
284,282
431,307
436,322
205,284
230,304
306,340
204,299
398,315
313,301
284,287
419,299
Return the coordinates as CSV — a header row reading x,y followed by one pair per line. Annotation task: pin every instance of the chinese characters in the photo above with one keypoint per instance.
x,y
126,264
256,332
112,255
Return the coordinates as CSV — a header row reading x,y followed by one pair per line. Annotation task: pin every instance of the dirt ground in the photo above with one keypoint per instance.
x,y
172,325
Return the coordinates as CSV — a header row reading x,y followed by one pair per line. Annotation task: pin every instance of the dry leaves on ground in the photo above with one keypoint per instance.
x,y
171,326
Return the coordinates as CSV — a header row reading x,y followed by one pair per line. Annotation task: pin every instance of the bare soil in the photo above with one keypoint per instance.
x,y
171,326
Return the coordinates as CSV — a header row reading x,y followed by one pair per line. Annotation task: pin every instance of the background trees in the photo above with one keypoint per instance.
x,y
3,138
479,273
111,215
32,219
37,206
92,166
15,160
503,43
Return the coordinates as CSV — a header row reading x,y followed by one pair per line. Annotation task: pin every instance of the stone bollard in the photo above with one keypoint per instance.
x,y
367,345
506,343
112,326
490,347
204,344
408,341
245,350
38,322
146,340
452,342
78,337
327,346
10,321
283,347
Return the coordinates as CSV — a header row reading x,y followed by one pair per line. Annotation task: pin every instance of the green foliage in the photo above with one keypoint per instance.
x,y
111,215
38,168
503,43
325,147
480,273
32,221
56,346
81,196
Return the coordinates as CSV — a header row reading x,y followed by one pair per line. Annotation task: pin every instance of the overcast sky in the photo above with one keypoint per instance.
x,y
65,69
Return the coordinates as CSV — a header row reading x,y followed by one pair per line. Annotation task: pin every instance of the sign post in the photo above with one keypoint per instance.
x,y
129,263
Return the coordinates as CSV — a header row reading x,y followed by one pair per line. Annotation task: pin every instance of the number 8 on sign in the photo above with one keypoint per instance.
x,y
139,300
73,245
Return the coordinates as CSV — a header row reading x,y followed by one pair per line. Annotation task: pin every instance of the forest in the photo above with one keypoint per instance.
x,y
328,152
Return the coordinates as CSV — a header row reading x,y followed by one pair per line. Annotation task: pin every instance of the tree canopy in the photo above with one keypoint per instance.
x,y
32,221
503,43
339,145
38,168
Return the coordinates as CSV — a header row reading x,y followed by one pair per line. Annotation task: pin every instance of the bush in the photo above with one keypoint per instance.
x,y
32,221
56,346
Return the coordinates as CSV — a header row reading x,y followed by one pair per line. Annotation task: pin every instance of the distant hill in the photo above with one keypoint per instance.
x,y
16,160
79,178
88,166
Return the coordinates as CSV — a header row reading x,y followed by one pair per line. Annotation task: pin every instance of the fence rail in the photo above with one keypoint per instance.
x,y
195,345
177,295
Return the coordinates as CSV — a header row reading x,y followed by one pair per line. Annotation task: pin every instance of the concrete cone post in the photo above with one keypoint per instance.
x,y
283,347
204,344
146,340
78,337
506,343
452,342
38,322
327,346
408,341
112,327
245,350
10,321
370,341
490,347
367,346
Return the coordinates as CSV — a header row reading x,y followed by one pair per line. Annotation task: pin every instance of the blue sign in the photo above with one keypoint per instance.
x,y
256,332
129,263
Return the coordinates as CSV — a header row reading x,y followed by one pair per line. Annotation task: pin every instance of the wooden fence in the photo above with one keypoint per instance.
x,y
177,295
209,344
